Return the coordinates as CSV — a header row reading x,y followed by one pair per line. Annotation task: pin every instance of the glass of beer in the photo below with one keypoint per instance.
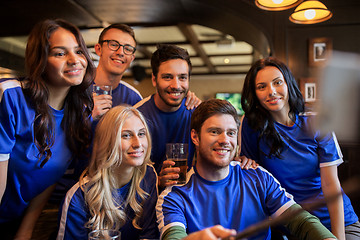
x,y
178,152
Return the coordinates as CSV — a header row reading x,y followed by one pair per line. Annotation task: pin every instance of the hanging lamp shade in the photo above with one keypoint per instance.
x,y
276,5
309,12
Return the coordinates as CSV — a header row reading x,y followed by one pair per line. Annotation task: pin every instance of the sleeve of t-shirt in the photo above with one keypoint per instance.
x,y
248,141
8,112
149,226
329,150
277,200
74,216
170,211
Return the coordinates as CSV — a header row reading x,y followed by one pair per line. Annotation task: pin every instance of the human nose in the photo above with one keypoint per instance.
x,y
120,50
224,139
136,142
175,83
272,90
73,59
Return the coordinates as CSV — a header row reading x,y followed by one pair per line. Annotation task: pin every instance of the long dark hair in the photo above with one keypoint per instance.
x,y
258,117
78,102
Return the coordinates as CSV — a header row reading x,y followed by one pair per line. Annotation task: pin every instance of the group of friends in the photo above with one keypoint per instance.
x,y
51,122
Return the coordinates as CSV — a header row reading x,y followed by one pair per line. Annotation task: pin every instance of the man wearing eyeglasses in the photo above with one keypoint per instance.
x,y
116,48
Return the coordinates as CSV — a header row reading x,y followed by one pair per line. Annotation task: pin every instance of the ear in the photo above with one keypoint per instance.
x,y
98,49
153,80
195,137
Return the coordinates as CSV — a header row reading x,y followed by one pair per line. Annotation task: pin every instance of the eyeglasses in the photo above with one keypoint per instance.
x,y
115,45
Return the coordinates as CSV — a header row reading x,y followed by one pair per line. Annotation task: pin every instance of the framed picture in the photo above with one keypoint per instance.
x,y
310,92
319,51
308,88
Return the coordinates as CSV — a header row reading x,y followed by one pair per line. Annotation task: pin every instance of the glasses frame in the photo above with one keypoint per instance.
x,y
119,45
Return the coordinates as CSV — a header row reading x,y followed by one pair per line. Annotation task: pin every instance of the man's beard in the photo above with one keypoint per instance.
x,y
170,103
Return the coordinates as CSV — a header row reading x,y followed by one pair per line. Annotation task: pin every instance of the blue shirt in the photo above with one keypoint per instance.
x,y
124,93
75,213
243,198
26,179
166,127
298,169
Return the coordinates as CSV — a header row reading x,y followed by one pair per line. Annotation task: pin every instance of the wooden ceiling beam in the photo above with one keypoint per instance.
x,y
192,38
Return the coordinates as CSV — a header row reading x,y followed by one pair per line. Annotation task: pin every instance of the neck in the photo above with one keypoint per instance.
x,y
211,173
160,104
57,97
106,78
123,175
284,119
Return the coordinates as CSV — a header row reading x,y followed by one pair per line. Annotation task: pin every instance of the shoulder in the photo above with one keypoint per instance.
x,y
8,84
258,174
130,88
143,103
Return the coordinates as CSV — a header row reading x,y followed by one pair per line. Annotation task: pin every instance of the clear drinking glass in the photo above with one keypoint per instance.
x,y
102,89
104,234
178,152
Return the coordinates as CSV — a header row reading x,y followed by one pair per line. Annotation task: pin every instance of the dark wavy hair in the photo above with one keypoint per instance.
x,y
166,52
258,117
78,102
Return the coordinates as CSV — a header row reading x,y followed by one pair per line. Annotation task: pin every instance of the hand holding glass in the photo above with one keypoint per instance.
x,y
104,234
178,152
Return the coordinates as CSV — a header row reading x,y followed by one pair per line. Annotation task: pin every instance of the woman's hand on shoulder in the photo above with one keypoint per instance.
x,y
246,163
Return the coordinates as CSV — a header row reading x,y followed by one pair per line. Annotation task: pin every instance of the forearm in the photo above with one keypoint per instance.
x,y
174,233
332,192
3,177
336,212
32,214
306,226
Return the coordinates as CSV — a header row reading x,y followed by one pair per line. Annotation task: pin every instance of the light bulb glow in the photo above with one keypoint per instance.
x,y
277,1
310,14
226,60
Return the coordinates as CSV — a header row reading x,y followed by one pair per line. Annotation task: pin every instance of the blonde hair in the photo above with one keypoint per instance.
x,y
106,207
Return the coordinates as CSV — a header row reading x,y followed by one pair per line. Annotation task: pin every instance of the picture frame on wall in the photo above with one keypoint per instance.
x,y
319,51
308,88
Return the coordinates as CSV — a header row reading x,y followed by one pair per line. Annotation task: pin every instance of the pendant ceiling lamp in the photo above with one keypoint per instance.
x,y
276,5
309,12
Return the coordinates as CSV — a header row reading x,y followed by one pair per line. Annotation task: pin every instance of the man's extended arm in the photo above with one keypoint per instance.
x,y
305,226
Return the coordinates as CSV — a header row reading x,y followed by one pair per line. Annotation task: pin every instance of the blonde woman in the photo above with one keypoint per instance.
x,y
118,190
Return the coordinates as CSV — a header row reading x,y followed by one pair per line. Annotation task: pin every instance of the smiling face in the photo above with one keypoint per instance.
x,y
272,91
115,62
134,142
172,84
66,64
216,143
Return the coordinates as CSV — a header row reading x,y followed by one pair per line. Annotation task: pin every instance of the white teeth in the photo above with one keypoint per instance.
x,y
175,94
222,151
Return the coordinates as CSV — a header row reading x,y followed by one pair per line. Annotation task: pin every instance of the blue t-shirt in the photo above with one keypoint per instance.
x,y
124,93
298,169
75,213
243,198
166,127
25,178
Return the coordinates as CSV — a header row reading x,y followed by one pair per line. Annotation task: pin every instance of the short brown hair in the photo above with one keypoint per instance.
x,y
210,108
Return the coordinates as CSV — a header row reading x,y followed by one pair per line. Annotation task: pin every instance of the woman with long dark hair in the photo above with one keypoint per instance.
x,y
45,122
276,132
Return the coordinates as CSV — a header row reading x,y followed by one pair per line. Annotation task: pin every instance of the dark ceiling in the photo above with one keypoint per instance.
x,y
238,19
